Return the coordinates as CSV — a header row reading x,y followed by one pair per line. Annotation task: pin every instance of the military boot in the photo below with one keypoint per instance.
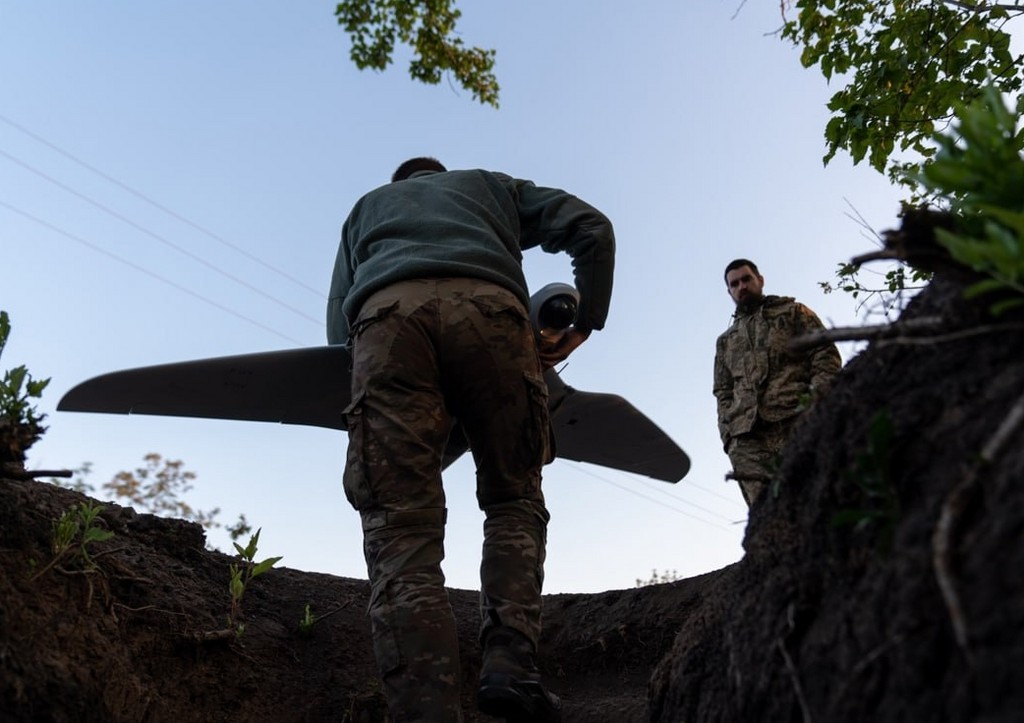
x,y
510,686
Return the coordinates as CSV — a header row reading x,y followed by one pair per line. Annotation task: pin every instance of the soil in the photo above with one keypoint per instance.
x,y
882,580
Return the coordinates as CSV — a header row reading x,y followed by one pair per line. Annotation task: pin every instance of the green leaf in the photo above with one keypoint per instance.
x,y
96,534
262,567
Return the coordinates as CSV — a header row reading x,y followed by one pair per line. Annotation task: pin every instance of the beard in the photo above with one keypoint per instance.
x,y
749,302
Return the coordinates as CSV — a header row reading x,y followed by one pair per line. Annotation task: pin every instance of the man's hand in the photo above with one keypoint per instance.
x,y
558,353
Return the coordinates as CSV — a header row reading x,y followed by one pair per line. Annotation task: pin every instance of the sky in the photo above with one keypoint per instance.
x,y
174,176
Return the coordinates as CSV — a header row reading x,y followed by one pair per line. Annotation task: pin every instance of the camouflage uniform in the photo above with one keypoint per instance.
x,y
428,291
425,350
761,386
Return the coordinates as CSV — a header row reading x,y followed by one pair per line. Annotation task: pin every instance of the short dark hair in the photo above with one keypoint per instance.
x,y
738,264
422,163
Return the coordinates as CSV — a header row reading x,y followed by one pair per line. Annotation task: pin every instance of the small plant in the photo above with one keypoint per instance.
x,y
307,622
241,575
73,533
872,474
20,422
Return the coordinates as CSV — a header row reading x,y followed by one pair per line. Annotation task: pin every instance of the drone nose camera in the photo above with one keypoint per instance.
x,y
553,310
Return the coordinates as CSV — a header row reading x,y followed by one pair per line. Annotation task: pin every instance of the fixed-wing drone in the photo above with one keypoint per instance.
x,y
312,386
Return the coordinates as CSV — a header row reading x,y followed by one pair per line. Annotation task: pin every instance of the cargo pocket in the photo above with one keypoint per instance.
x,y
357,488
503,305
543,436
368,316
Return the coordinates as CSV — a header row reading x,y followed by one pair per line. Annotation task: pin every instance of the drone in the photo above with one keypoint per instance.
x,y
311,386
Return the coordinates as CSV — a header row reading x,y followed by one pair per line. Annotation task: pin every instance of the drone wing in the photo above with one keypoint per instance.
x,y
607,430
294,386
312,386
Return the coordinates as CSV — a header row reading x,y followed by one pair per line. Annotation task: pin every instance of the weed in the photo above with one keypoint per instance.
x,y
307,622
241,575
73,533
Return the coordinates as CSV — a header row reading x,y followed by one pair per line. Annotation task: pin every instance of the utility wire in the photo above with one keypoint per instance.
x,y
702,488
660,489
156,276
632,491
161,207
160,238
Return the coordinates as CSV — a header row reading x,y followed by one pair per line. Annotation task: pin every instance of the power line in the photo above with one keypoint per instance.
x,y
161,239
146,271
161,207
633,491
702,488
661,490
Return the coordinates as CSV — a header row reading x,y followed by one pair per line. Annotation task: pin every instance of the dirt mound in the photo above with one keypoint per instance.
x,y
882,581
142,636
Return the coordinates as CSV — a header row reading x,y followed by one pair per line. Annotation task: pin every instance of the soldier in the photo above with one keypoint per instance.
x,y
760,385
428,291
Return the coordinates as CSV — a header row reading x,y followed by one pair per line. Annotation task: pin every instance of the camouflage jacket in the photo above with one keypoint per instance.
x,y
756,375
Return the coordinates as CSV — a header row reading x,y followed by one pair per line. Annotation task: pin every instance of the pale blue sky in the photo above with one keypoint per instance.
x,y
698,133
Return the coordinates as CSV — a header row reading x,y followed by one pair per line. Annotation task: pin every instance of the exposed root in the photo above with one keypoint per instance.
x,y
952,509
795,677
874,332
791,667
910,332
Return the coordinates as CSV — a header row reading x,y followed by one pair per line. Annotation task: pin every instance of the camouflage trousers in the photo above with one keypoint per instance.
x,y
427,352
755,455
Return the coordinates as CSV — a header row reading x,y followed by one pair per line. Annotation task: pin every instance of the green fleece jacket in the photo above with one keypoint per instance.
x,y
467,224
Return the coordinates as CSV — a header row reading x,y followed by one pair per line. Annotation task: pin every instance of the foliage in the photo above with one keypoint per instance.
x,y
20,422
428,27
979,170
156,488
77,529
905,67
871,472
890,292
241,575
658,579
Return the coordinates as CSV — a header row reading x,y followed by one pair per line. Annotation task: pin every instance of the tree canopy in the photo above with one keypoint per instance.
x,y
428,27
905,66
